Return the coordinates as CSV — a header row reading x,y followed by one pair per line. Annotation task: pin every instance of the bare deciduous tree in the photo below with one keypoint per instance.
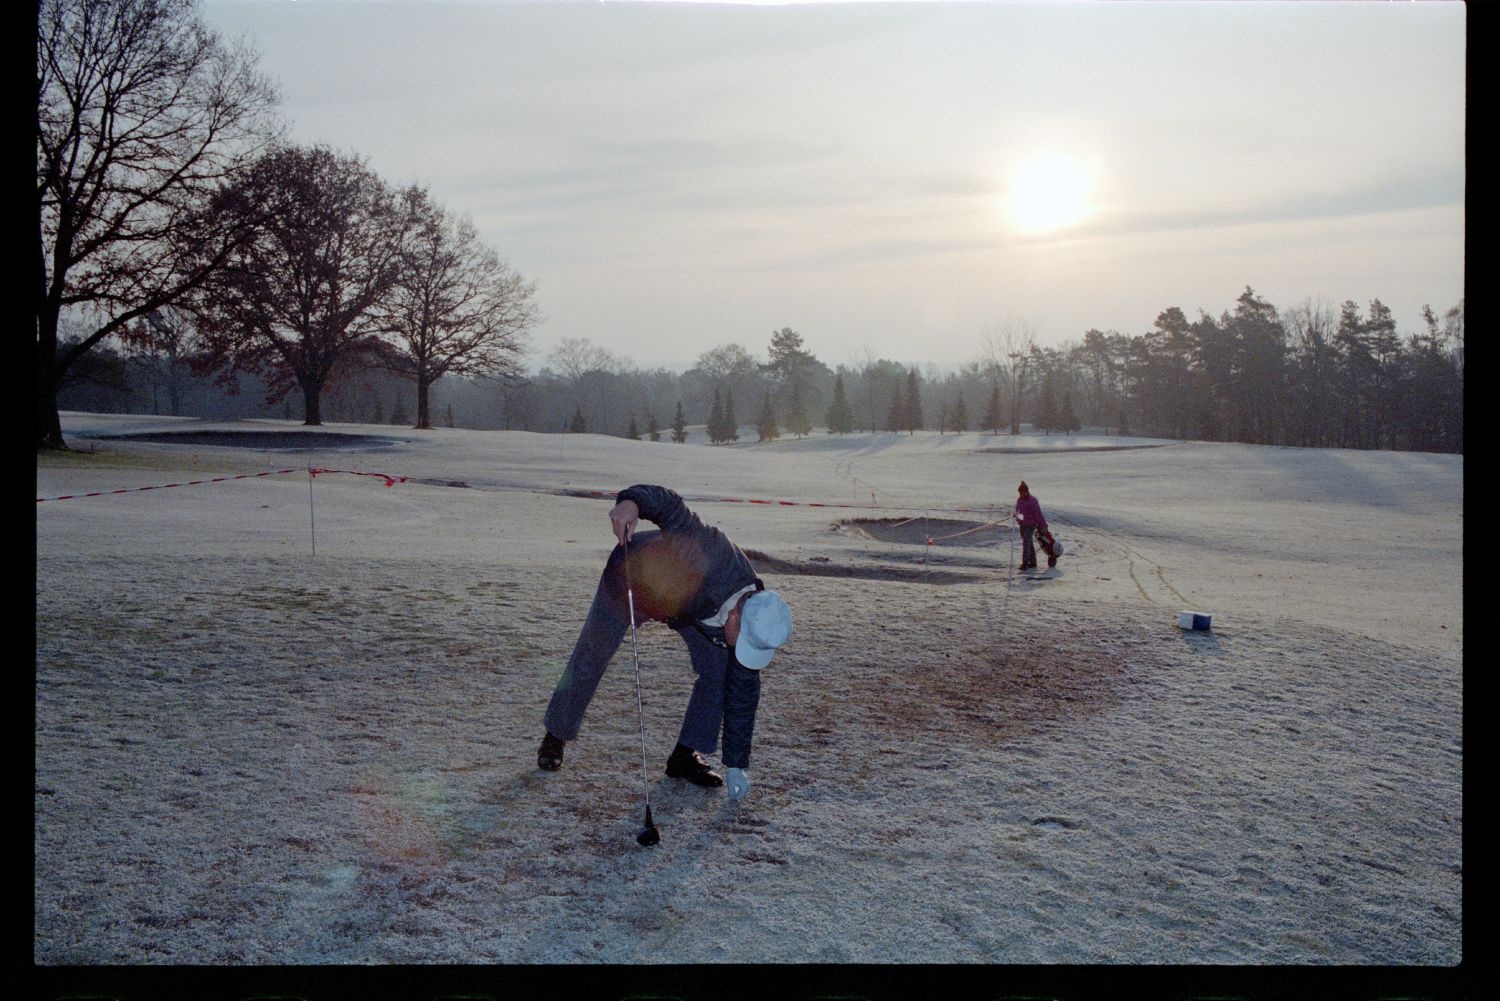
x,y
576,357
161,345
456,307
730,369
142,114
297,304
1008,352
725,363
1311,326
589,369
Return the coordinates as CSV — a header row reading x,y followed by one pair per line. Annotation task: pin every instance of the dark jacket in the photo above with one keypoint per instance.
x,y
688,571
683,575
1029,511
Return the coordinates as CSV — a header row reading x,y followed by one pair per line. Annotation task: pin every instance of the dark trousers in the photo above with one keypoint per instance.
x,y
602,634
1028,549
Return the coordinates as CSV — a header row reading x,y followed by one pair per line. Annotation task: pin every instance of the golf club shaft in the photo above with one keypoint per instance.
x,y
635,654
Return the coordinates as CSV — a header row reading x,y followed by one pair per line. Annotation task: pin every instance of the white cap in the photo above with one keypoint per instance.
x,y
765,624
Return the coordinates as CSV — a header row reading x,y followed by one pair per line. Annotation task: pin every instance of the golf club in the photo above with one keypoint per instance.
x,y
649,834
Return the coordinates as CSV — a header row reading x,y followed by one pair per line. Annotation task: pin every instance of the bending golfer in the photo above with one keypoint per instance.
x,y
693,578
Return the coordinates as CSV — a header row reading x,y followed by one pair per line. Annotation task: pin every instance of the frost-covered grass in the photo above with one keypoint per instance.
x,y
248,754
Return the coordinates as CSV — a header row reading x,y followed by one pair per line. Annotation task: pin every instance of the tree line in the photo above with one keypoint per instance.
x,y
188,254
1312,375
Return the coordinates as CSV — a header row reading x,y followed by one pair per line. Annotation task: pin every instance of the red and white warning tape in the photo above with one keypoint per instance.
x,y
786,503
390,481
968,531
934,539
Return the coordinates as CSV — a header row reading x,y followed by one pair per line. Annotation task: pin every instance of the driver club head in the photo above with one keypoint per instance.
x,y
649,834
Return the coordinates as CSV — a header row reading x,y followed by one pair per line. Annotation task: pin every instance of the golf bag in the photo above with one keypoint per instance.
x,y
1048,544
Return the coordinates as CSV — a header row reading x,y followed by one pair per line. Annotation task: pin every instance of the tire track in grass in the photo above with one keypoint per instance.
x,y
1139,566
1141,569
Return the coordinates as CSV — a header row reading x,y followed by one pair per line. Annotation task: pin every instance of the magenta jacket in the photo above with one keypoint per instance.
x,y
1029,512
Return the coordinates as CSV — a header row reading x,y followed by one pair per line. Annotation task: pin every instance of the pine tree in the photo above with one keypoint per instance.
x,y
716,419
653,429
1067,420
765,426
840,418
449,419
632,432
958,417
579,424
1046,407
731,425
911,407
993,418
679,426
398,412
796,418
895,417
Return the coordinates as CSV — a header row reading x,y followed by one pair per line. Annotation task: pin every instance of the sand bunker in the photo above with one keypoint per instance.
x,y
883,562
1039,453
823,566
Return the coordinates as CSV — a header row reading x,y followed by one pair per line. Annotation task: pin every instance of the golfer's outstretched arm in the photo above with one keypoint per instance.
x,y
662,506
741,697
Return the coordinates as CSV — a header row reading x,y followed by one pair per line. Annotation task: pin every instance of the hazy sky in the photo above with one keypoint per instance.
x,y
901,178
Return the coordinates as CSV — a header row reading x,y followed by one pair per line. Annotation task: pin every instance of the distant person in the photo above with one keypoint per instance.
x,y
1029,516
690,576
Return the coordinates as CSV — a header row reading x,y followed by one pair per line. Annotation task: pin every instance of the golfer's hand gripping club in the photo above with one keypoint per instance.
x,y
622,519
736,784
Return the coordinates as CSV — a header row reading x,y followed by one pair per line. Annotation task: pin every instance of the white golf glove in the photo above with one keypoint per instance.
x,y
736,784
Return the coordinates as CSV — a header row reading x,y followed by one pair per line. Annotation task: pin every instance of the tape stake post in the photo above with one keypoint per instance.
x,y
1009,584
927,549
311,520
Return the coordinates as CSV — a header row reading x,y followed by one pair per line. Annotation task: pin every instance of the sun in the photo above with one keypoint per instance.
x,y
1049,192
